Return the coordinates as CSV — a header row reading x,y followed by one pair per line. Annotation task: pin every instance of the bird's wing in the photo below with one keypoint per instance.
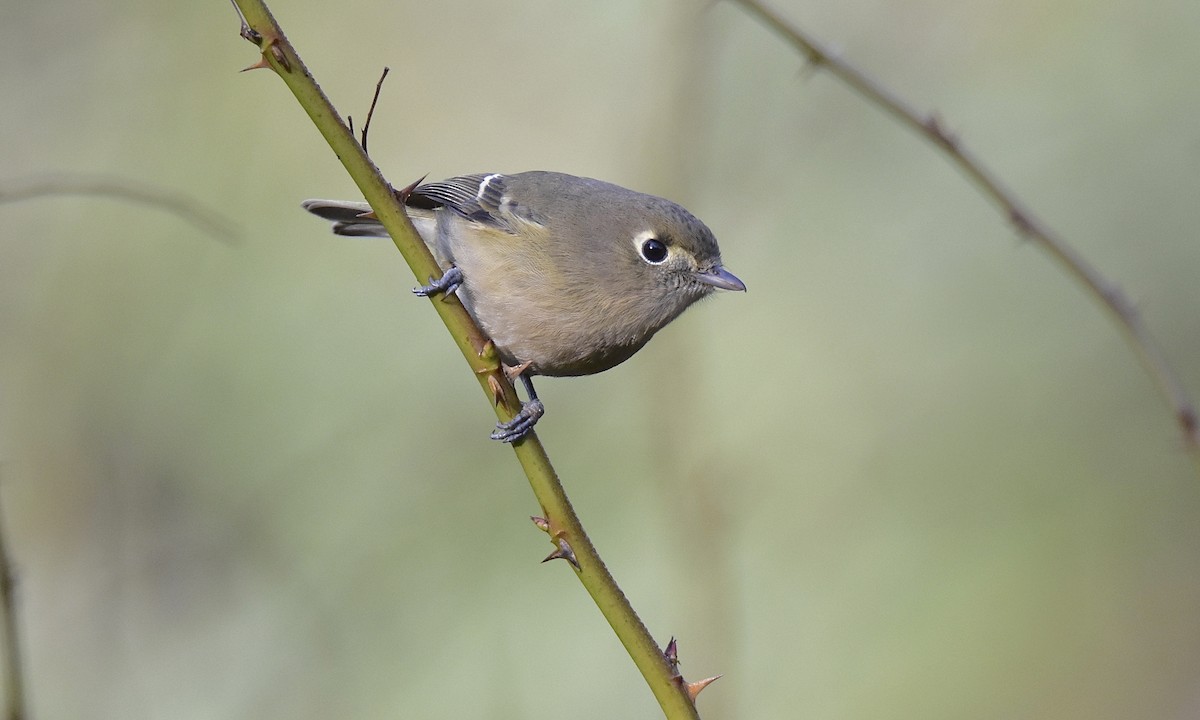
x,y
482,198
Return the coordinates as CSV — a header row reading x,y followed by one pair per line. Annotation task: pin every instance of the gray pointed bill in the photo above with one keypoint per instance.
x,y
719,277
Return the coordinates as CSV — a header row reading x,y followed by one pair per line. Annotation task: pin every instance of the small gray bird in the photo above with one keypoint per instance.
x,y
567,275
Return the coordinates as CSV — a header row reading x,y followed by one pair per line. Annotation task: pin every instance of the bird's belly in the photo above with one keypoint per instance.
x,y
553,342
535,314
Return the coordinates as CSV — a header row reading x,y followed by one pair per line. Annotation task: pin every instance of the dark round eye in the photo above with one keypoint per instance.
x,y
654,251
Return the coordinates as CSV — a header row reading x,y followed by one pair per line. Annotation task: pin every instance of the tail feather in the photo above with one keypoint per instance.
x,y
346,217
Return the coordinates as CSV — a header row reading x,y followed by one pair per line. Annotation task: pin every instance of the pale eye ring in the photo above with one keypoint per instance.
x,y
654,251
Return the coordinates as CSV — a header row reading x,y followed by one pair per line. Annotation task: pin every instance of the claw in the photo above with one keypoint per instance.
x,y
521,424
445,285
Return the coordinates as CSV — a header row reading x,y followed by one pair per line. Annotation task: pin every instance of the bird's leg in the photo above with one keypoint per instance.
x,y
446,284
531,411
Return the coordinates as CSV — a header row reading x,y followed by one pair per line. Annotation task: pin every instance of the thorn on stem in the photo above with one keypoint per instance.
x,y
496,389
514,371
488,355
693,689
542,523
671,654
812,62
405,192
1021,222
933,125
1187,418
564,552
262,64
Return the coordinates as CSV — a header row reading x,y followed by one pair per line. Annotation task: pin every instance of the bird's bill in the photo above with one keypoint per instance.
x,y
719,277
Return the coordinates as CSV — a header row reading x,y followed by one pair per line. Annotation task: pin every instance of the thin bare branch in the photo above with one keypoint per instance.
x,y
203,218
371,112
1110,295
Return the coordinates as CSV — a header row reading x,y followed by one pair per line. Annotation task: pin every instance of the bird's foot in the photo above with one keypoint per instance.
x,y
446,284
521,424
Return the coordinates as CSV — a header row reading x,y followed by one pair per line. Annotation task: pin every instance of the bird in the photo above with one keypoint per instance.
x,y
567,275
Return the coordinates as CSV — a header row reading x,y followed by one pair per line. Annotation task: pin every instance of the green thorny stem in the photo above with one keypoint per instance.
x,y
675,696
929,126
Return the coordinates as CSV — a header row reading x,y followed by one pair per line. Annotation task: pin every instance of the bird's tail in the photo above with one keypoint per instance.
x,y
349,217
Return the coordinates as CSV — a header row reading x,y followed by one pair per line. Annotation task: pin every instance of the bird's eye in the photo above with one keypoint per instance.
x,y
654,251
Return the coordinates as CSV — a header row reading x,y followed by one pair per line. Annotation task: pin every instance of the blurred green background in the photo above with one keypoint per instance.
x,y
914,473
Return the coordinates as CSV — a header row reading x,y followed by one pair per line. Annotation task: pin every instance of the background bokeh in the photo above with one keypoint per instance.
x,y
915,472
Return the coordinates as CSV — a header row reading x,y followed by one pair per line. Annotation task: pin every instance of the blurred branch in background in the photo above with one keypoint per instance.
x,y
14,667
203,218
933,129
